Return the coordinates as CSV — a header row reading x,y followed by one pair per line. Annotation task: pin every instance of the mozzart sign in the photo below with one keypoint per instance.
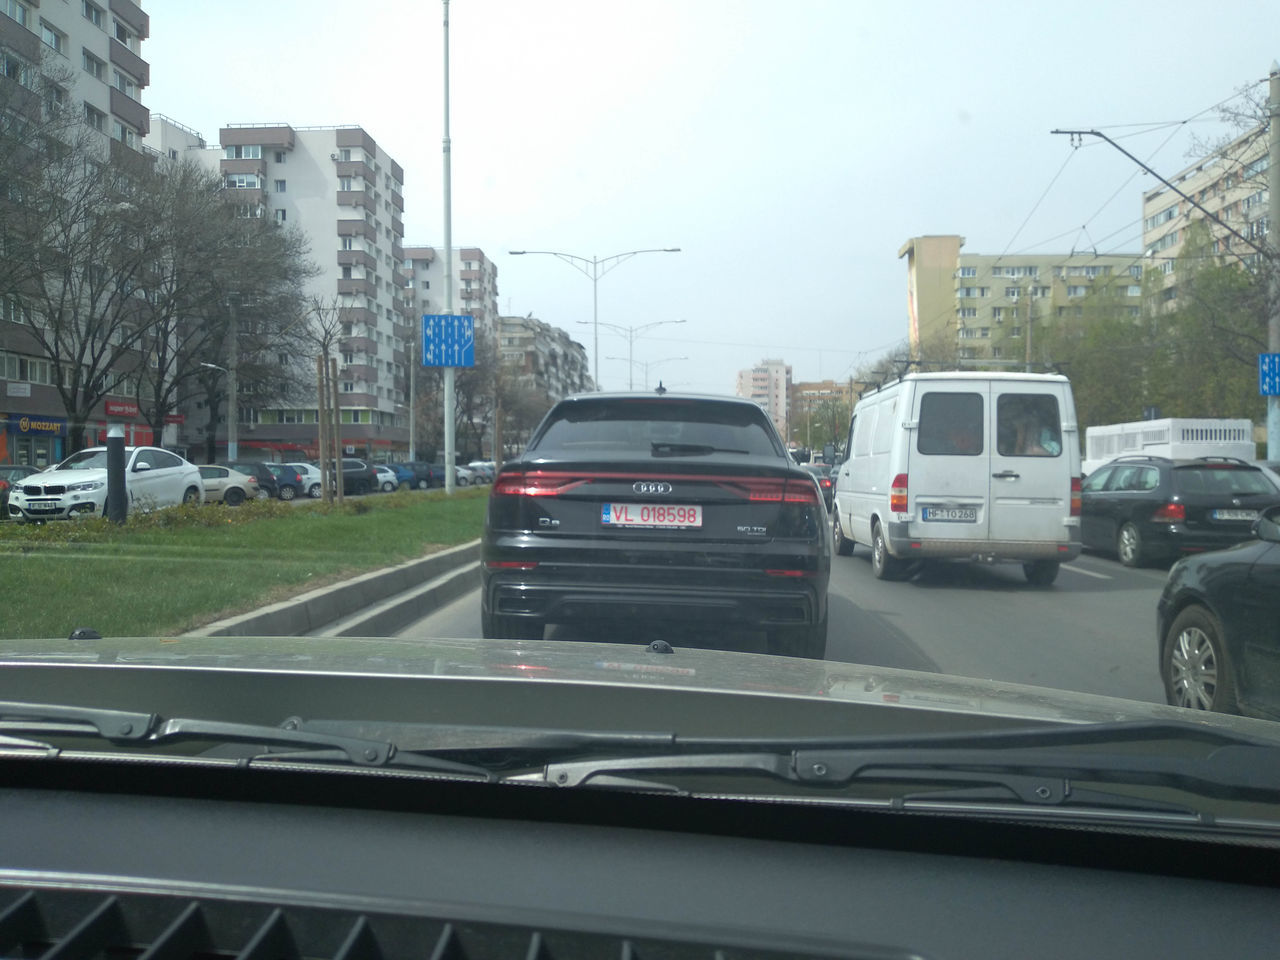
x,y
37,425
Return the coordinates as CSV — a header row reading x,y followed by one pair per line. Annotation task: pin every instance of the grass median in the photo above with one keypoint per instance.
x,y
174,570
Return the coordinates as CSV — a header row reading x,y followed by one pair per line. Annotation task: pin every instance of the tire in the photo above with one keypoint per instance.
x,y
388,487
423,484
233,497
287,492
884,565
1129,546
1195,665
493,627
314,491
808,642
843,545
263,494
191,495
1041,573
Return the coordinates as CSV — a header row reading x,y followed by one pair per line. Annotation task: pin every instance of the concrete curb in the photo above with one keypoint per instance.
x,y
314,611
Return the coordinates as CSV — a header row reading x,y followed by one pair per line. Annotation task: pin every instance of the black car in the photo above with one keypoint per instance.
x,y
824,477
1149,509
1219,627
657,509
11,474
358,476
289,482
268,485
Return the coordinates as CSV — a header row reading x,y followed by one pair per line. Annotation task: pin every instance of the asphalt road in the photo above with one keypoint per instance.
x,y
1093,631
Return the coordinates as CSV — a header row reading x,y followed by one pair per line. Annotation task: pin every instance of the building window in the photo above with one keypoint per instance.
x,y
968,313
280,216
968,333
124,134
247,151
14,10
344,184
1166,268
95,118
1015,331
347,244
997,353
280,156
1135,271
54,40
984,331
346,273
125,36
125,84
348,387
93,13
11,68
968,271
94,67
344,155
1012,292
1077,291
280,186
243,181
1133,290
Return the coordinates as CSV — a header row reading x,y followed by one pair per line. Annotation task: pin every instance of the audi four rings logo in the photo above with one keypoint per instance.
x,y
650,486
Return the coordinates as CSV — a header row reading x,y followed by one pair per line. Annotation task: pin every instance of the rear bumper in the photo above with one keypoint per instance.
x,y
903,545
1176,538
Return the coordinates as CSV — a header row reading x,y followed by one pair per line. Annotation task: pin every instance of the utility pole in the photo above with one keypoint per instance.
x,y
450,476
233,384
1272,262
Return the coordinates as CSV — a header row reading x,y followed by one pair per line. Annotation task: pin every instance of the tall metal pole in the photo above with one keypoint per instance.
x,y
595,316
450,478
415,357
335,411
233,386
1273,267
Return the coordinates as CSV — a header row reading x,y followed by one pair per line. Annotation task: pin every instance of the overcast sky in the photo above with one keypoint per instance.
x,y
788,147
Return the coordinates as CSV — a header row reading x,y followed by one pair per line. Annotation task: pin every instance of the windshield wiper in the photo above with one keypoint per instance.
x,y
663,448
1037,766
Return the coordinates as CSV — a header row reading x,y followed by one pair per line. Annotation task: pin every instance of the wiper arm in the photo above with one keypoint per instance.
x,y
149,730
662,448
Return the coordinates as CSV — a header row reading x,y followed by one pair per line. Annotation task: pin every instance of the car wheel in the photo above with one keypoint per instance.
x,y
263,493
314,491
388,486
423,484
1041,573
1196,665
233,497
844,546
287,492
808,642
1129,546
883,564
191,495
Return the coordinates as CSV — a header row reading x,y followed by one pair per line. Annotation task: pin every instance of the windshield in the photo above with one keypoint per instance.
x,y
827,342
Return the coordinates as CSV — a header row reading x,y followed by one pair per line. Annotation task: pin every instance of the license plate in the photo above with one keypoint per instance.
x,y
38,505
950,514
1235,514
650,515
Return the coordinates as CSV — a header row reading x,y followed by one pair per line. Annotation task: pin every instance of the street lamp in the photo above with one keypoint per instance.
x,y
631,333
591,269
647,364
232,413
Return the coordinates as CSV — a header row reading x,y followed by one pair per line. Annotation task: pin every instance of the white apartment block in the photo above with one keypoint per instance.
x,y
542,357
768,383
475,285
346,194
1232,186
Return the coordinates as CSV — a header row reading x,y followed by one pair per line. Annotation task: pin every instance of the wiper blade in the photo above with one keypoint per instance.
x,y
149,730
662,448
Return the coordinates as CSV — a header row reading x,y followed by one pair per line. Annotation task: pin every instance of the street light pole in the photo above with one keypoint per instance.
x,y
631,333
233,385
647,364
591,269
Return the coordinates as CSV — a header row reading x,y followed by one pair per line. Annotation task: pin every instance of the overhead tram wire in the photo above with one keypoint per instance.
x,y
1034,208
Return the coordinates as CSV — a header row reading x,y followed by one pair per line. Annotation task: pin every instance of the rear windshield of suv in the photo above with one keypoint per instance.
x,y
644,426
1221,480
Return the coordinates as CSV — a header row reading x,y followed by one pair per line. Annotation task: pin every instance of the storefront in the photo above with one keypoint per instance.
x,y
30,439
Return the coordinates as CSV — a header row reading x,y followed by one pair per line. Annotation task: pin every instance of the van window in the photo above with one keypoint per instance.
x,y
951,424
862,433
883,438
1027,425
848,445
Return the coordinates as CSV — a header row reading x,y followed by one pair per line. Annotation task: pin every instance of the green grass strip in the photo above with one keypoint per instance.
x,y
170,571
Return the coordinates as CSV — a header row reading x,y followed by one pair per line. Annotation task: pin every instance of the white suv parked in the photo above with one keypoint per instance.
x,y
77,487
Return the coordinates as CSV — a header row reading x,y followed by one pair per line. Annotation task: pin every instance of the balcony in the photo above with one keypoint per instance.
x,y
358,345
128,61
21,41
278,136
357,228
356,315
397,228
359,288
252,195
357,258
397,201
257,167
355,168
468,274
355,137
133,17
358,371
357,198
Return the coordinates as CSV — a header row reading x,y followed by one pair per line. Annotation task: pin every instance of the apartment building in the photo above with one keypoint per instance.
x,y
1232,186
768,383
94,51
991,305
542,357
346,194
475,285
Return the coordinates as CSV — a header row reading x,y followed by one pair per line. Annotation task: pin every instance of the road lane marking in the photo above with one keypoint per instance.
x,y
1087,573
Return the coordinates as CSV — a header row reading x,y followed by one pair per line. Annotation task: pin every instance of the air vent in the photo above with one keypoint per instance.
x,y
38,923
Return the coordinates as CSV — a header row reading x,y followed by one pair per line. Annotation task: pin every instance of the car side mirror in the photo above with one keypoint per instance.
x,y
139,467
1267,526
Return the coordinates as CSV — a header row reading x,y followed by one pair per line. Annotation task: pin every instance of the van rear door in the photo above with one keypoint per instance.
x,y
1031,466
949,477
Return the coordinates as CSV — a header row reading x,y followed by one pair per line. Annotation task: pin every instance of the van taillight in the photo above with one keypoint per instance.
x,y
898,494
1075,496
1170,513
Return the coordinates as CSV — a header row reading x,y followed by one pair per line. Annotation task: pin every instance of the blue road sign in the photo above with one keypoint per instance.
x,y
1269,374
448,341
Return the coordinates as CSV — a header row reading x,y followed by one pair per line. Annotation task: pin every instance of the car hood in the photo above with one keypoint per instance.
x,y
882,691
66,477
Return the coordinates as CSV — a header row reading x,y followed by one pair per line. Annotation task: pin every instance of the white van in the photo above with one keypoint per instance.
x,y
974,465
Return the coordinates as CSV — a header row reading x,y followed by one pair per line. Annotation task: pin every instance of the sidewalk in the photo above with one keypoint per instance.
x,y
376,604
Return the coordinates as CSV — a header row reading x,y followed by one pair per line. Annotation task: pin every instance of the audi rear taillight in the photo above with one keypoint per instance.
x,y
771,490
1075,496
535,484
1170,513
898,494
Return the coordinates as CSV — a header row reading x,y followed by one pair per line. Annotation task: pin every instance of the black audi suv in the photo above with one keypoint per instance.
x,y
658,509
